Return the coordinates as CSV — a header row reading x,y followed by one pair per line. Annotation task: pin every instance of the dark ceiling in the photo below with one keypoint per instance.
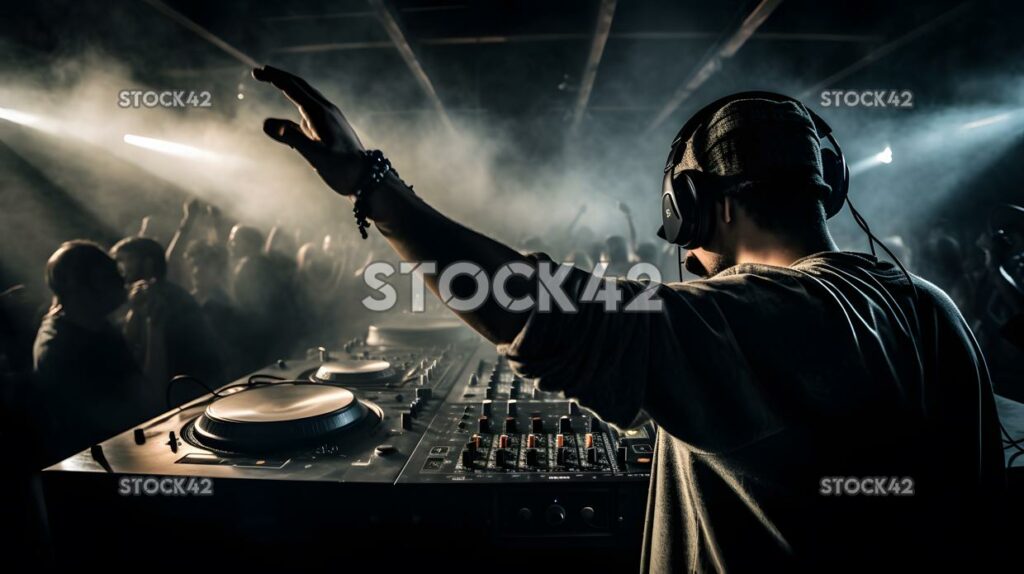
x,y
521,63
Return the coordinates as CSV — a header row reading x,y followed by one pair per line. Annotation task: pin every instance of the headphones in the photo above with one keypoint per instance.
x,y
688,197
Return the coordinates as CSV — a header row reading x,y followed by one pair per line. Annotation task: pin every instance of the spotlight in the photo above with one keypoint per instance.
x,y
885,156
169,148
872,161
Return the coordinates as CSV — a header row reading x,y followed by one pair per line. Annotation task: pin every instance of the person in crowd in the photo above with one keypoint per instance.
x,y
207,263
89,385
244,241
190,346
615,255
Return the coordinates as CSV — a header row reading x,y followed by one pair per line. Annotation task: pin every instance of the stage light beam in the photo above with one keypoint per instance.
x,y
169,148
987,121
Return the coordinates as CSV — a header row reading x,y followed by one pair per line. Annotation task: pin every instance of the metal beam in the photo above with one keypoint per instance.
x,y
574,37
398,38
713,61
203,33
887,48
605,14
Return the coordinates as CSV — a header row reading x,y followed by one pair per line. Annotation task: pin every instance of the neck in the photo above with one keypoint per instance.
x,y
770,249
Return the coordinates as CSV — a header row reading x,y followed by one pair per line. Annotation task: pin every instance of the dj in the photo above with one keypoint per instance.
x,y
819,410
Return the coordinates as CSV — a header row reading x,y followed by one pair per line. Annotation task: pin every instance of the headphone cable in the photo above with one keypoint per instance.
x,y
873,239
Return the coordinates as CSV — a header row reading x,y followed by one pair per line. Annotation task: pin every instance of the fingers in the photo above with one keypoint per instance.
x,y
295,89
290,134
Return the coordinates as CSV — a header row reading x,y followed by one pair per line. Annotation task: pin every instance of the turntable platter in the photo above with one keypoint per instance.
x,y
278,416
354,372
418,333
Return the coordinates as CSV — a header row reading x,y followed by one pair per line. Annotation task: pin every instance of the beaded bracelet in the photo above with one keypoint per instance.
x,y
377,168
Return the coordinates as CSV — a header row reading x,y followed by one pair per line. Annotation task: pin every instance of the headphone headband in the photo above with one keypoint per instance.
x,y
687,203
684,134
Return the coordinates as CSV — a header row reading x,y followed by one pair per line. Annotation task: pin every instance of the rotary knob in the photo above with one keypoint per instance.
x,y
555,515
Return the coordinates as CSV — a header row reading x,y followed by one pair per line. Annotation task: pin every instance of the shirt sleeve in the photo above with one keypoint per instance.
x,y
680,365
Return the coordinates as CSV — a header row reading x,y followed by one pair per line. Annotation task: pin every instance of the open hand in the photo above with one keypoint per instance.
x,y
324,138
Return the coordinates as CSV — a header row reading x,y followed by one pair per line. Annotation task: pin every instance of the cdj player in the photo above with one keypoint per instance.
x,y
414,446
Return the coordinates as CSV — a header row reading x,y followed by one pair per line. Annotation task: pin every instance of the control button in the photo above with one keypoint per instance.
x,y
532,457
587,513
424,394
524,514
592,456
555,515
489,393
510,425
574,408
560,459
484,425
620,457
531,441
487,407
468,457
407,421
503,441
536,425
414,408
474,442
501,458
462,425
385,449
513,408
140,436
281,364
588,440
560,441
565,425
474,380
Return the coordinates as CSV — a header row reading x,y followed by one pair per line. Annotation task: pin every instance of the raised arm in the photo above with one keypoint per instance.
x,y
417,231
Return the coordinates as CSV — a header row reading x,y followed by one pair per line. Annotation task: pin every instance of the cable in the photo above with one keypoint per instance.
x,y
1013,458
178,379
872,239
679,260
1009,441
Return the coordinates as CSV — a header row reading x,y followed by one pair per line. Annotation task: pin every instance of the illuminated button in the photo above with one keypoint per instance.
x,y
588,441
503,441
531,441
560,441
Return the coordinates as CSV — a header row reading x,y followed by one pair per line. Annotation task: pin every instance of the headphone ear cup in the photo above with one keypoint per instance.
x,y
837,176
682,210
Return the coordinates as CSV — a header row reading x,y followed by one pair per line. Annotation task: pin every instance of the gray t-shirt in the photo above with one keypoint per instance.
x,y
766,381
